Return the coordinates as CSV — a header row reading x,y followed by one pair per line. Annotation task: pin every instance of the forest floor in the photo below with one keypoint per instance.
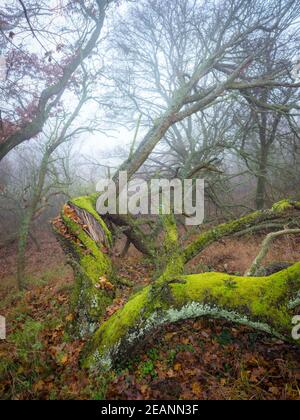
x,y
196,359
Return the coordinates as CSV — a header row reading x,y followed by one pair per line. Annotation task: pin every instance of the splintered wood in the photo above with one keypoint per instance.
x,y
87,223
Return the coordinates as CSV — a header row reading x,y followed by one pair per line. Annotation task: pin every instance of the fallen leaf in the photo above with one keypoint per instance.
x,y
64,360
274,390
196,388
105,284
177,367
39,386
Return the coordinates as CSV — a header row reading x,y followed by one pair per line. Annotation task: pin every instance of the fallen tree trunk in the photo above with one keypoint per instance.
x,y
266,304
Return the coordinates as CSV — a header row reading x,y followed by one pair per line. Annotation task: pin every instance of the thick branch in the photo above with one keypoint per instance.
x,y
265,248
285,209
262,303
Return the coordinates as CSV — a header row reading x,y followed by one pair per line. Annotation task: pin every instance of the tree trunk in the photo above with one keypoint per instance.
x,y
24,231
133,233
261,187
22,244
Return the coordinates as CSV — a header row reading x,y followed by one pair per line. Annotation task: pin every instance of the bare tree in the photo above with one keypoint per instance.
x,y
180,58
46,181
272,110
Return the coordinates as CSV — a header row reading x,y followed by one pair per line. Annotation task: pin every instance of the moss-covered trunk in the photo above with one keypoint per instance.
x,y
87,241
267,304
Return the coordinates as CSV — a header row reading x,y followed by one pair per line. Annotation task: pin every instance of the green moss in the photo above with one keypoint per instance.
x,y
174,269
91,258
265,299
110,333
125,319
262,302
282,206
171,261
171,241
219,232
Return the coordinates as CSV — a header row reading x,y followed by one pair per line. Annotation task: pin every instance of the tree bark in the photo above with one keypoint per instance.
x,y
24,231
262,179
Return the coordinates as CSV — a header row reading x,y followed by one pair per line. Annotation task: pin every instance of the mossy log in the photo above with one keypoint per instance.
x,y
266,303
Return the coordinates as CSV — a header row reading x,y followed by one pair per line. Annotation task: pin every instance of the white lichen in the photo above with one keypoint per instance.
x,y
294,303
194,309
